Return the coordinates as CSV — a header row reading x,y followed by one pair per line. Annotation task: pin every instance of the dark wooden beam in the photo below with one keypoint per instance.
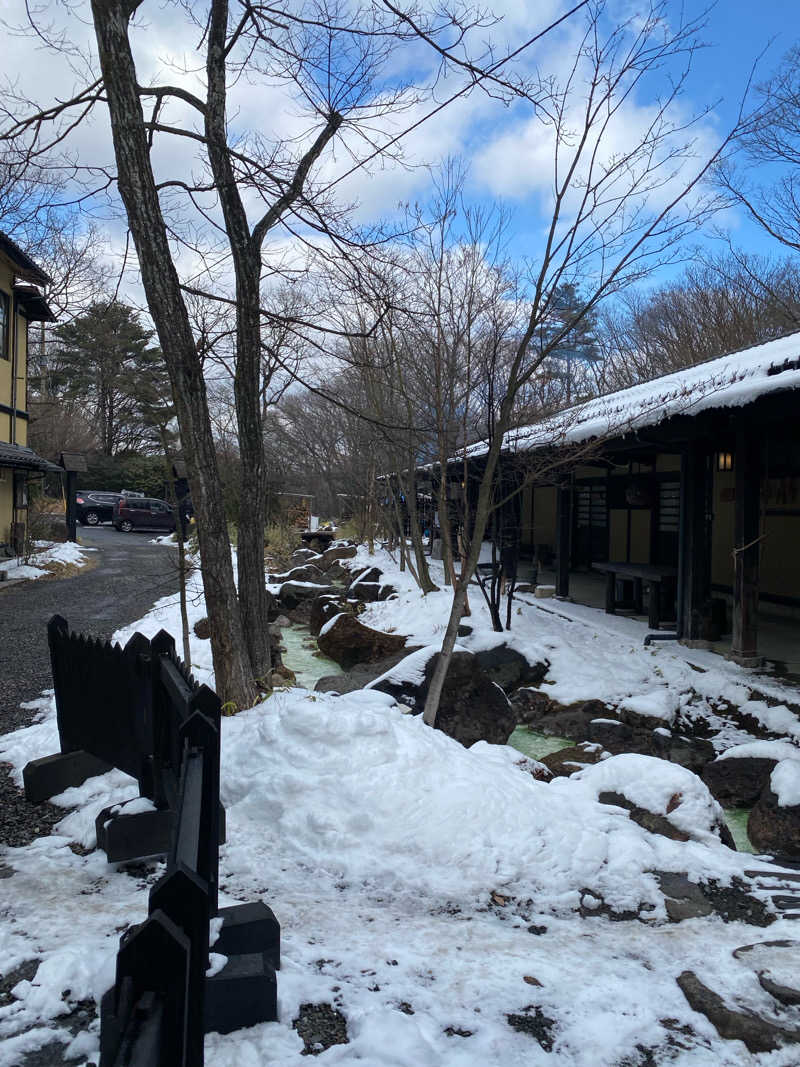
x,y
747,547
563,537
694,547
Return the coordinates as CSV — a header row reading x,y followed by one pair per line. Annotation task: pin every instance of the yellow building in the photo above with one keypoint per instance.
x,y
21,303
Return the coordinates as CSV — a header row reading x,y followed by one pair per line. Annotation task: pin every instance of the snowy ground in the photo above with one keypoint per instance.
x,y
427,891
48,558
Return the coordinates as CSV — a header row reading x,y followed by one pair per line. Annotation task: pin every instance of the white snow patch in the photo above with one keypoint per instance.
x,y
785,783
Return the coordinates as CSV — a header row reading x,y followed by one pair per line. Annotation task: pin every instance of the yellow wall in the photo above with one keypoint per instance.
x,y
668,463
17,340
640,536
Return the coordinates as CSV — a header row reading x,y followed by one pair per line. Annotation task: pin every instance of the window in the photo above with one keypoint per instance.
x,y
5,312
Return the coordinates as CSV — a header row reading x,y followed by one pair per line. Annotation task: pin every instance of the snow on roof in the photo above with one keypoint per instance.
x,y
728,381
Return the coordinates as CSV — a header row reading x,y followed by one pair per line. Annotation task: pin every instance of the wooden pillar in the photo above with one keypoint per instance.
x,y
72,510
563,537
747,548
694,550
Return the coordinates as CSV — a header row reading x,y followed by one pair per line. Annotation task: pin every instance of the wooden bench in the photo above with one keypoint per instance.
x,y
660,581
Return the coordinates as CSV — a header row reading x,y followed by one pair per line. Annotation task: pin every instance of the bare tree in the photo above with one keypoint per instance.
x,y
615,215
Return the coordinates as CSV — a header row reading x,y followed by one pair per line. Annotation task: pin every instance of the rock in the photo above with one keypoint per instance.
x,y
202,629
510,669
366,592
307,573
464,630
531,705
347,642
683,899
613,735
336,553
649,820
358,677
281,676
775,965
693,753
283,621
323,609
320,1026
292,593
571,720
303,555
567,761
734,1024
365,574
738,781
773,828
387,591
472,708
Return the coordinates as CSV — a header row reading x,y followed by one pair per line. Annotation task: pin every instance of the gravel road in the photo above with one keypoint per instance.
x,y
128,575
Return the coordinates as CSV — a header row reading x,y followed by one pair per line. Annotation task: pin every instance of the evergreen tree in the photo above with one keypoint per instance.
x,y
105,360
579,350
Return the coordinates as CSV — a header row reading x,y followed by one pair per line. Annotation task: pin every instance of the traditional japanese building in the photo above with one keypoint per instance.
x,y
22,302
678,499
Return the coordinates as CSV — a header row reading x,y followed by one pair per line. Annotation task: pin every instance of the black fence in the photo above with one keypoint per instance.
x,y
137,708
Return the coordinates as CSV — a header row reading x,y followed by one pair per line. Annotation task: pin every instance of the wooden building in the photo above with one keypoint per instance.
x,y
21,303
681,495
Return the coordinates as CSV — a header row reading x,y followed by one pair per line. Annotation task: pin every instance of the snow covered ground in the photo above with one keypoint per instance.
x,y
40,563
428,892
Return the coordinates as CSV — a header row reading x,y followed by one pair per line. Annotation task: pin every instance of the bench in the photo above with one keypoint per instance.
x,y
659,579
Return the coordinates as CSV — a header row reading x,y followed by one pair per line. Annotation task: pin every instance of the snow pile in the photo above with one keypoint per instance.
x,y
659,787
659,704
48,552
397,804
777,750
785,783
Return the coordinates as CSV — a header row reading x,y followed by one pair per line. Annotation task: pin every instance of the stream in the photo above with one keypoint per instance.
x,y
304,658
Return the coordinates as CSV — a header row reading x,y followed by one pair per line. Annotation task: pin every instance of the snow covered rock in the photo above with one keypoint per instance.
x,y
472,707
741,773
509,669
307,573
531,705
347,641
661,797
335,554
567,761
292,593
323,609
774,823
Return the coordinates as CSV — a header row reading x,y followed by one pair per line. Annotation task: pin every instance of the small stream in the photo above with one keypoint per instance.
x,y
536,745
304,658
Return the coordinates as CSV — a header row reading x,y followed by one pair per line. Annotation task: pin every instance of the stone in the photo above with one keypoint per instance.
x,y
531,705
292,593
464,630
366,574
202,629
307,573
544,592
360,676
348,642
386,592
334,554
303,555
571,720
649,820
510,669
613,735
567,761
472,708
734,1024
366,592
773,828
320,1026
323,609
738,781
693,753
775,965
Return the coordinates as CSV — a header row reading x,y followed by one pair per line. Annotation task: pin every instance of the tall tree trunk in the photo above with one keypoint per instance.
x,y
246,255
424,580
162,288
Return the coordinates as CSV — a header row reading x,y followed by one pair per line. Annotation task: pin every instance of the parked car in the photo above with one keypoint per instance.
x,y
94,506
143,513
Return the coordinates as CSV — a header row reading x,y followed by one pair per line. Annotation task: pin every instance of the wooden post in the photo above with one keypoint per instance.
x,y
563,537
747,548
72,511
694,550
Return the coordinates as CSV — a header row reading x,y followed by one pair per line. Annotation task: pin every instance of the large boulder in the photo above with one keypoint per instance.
x,y
347,641
365,576
323,609
293,593
472,708
336,553
531,705
564,720
366,592
694,753
509,668
740,775
660,796
309,572
774,822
